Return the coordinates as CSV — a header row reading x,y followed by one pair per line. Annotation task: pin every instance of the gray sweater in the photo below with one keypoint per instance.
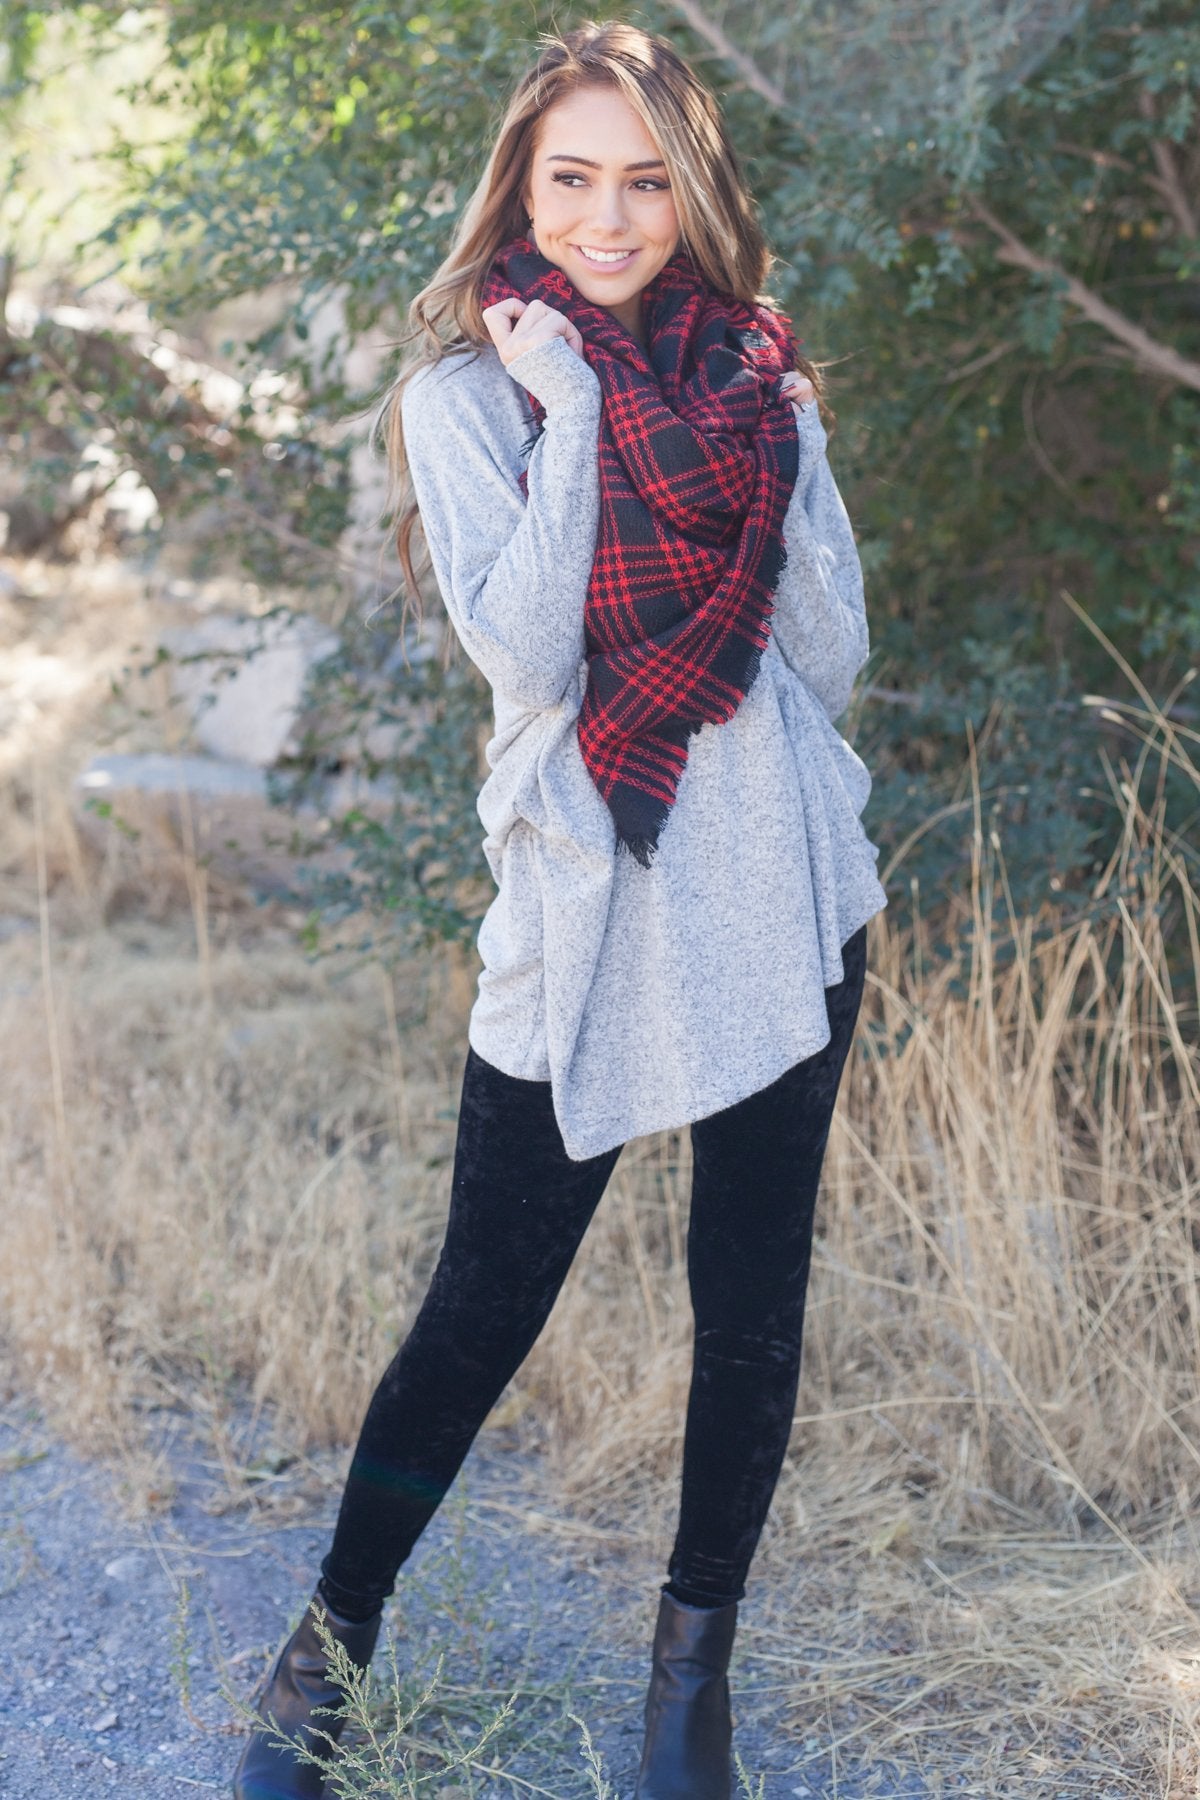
x,y
647,997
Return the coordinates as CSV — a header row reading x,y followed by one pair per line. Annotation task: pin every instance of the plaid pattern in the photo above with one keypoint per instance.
x,y
698,457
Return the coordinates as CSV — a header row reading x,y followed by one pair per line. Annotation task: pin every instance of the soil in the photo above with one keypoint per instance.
x,y
125,1636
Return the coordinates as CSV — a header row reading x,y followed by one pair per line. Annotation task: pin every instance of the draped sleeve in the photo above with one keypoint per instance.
x,y
513,573
820,618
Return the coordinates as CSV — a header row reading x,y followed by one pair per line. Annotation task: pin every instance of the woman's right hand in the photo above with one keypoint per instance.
x,y
518,325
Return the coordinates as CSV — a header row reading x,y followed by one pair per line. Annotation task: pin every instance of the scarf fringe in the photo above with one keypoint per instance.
x,y
640,848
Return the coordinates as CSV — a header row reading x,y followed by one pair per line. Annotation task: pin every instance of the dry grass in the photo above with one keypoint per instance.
x,y
223,1163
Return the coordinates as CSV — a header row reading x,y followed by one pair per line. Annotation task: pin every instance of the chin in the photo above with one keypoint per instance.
x,y
609,296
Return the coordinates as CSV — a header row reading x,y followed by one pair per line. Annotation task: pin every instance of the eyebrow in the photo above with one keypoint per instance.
x,y
654,163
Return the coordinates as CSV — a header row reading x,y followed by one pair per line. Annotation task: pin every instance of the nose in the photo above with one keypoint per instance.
x,y
610,215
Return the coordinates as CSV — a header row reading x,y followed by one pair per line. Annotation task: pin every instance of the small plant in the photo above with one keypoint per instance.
x,y
181,1655
751,1789
382,1754
591,1756
18,1535
181,1665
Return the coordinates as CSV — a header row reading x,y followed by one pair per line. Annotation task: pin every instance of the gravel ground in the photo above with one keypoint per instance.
x,y
122,1640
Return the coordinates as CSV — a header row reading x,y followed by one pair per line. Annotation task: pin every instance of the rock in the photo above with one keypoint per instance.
x,y
246,688
123,1568
351,790
145,808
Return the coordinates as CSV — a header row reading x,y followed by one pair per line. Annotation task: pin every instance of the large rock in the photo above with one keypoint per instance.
x,y
157,806
243,681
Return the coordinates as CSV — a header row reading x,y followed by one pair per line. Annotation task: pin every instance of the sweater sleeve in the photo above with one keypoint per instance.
x,y
820,619
513,573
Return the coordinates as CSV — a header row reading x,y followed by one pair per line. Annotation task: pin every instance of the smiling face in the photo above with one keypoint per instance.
x,y
601,200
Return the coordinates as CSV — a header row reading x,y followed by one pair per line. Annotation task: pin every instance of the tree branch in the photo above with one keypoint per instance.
x,y
737,59
1146,352
979,362
8,264
1170,185
1170,182
1103,159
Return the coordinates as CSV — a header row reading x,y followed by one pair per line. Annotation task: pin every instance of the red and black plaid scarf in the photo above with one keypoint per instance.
x,y
698,457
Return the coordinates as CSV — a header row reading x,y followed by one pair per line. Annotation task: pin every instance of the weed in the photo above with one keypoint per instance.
x,y
181,1659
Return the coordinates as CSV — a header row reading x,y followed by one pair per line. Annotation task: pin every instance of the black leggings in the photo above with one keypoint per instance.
x,y
519,1207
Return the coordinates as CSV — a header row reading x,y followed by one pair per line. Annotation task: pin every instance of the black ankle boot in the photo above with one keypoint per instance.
x,y
689,1730
300,1682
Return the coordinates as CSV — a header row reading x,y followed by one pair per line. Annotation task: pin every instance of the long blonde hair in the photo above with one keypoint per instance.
x,y
718,222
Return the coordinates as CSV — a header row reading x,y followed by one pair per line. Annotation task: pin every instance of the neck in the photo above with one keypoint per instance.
x,y
629,314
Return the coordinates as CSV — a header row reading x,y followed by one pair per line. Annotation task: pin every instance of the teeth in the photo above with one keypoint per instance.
x,y
603,255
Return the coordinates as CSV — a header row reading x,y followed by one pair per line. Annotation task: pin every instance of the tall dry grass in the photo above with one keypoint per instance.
x,y
226,1170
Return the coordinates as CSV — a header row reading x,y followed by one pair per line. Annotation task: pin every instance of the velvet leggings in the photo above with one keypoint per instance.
x,y
519,1207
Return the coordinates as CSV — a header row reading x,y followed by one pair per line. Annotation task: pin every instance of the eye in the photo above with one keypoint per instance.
x,y
645,183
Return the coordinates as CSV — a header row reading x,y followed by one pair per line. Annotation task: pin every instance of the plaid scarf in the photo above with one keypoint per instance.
x,y
698,457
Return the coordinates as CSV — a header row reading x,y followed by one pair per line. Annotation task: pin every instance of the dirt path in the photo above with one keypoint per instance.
x,y
122,1641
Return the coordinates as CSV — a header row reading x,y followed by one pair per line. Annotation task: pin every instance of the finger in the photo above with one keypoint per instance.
x,y
539,317
536,309
538,324
533,340
512,308
540,330
498,320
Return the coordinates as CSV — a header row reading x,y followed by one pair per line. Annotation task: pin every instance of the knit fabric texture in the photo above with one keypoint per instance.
x,y
649,998
697,459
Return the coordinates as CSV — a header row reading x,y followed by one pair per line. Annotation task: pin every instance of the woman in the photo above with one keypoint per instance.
x,y
620,475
